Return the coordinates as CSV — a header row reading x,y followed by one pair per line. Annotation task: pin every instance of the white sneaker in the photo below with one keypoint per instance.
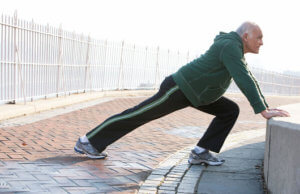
x,y
205,157
87,149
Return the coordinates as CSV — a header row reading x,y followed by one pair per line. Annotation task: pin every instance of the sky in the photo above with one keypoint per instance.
x,y
184,25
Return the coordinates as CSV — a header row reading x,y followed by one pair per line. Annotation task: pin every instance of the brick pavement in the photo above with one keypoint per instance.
x,y
38,157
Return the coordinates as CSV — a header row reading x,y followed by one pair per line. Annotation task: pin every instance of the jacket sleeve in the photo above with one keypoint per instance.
x,y
233,60
259,90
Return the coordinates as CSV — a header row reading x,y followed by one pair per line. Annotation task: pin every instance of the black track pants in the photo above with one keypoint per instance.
x,y
168,99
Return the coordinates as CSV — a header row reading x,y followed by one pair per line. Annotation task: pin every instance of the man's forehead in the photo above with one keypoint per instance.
x,y
257,31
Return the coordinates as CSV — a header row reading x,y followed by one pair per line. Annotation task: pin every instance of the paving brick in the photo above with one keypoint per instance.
x,y
56,189
167,188
146,191
4,156
64,181
155,177
190,181
7,175
24,176
169,184
152,183
102,186
17,186
175,174
180,168
196,169
192,174
70,189
173,179
4,185
186,188
43,177
165,192
82,183
36,187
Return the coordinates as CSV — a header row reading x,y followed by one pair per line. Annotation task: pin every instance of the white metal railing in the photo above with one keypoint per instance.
x,y
39,61
275,83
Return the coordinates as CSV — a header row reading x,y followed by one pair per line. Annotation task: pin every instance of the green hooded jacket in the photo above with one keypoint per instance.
x,y
206,79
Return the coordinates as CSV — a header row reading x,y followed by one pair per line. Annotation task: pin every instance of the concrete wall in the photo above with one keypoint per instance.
x,y
282,153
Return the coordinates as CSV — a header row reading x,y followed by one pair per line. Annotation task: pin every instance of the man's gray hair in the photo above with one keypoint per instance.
x,y
246,27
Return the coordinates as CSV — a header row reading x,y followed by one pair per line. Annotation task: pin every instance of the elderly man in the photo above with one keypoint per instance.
x,y
201,85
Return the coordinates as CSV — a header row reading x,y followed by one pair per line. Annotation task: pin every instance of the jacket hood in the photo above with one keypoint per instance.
x,y
231,35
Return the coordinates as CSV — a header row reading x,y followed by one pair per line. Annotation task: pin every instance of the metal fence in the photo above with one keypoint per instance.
x,y
40,61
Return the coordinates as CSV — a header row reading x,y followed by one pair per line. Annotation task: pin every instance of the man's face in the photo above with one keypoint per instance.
x,y
253,41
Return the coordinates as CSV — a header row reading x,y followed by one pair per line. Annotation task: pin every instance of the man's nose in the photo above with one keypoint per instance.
x,y
261,42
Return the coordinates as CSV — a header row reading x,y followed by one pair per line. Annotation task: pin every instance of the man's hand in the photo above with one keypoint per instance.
x,y
269,113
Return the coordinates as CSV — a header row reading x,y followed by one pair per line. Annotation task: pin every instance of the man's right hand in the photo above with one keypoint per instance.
x,y
269,113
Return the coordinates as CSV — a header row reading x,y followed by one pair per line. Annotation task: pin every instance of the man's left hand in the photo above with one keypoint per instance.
x,y
269,113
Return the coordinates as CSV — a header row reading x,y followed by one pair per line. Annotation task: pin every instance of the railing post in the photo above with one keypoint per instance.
x,y
132,77
188,57
273,86
178,61
290,85
18,61
15,59
47,86
157,69
121,67
146,60
104,65
168,62
59,69
87,64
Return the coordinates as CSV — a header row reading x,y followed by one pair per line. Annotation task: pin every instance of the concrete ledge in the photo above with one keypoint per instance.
x,y
9,111
282,153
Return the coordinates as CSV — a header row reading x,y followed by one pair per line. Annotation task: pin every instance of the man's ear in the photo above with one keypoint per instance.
x,y
245,37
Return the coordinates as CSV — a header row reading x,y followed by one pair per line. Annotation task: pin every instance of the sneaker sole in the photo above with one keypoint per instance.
x,y
79,151
191,161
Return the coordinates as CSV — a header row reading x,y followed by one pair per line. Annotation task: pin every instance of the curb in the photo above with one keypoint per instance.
x,y
173,175
176,175
8,111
